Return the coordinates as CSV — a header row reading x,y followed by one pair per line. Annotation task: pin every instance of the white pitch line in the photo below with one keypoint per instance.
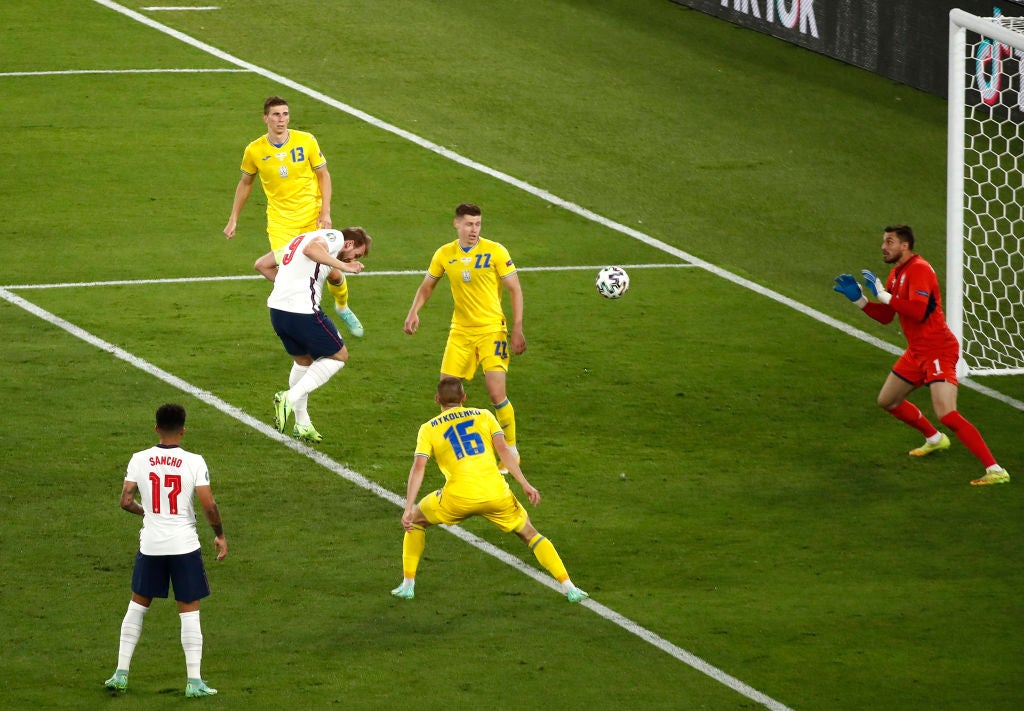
x,y
363,482
221,70
363,275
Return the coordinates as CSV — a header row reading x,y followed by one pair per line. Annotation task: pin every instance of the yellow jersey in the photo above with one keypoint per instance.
x,y
475,276
288,177
459,440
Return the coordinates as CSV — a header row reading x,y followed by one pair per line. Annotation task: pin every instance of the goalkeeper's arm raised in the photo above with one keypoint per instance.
x,y
848,287
891,305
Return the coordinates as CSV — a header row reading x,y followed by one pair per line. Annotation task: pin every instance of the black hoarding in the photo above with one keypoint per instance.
x,y
905,40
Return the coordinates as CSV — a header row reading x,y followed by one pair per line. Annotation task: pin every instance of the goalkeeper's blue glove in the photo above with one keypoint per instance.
x,y
848,287
875,286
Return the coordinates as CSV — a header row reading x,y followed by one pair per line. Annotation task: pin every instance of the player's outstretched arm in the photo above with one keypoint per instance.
x,y
412,490
316,250
242,192
423,294
511,462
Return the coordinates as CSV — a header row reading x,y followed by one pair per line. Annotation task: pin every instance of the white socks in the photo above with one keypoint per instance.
x,y
191,639
316,375
192,643
131,630
299,407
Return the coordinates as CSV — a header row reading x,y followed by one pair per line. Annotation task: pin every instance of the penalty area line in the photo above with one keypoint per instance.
x,y
373,487
363,275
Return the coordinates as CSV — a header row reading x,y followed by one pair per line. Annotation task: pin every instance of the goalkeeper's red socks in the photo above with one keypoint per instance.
x,y
969,435
908,412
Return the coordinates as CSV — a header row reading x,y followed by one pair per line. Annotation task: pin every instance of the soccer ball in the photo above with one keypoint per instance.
x,y
612,282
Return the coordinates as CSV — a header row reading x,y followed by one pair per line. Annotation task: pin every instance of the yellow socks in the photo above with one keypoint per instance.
x,y
506,415
412,550
548,557
340,293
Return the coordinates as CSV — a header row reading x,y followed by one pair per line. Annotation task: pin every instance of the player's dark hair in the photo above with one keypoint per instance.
x,y
359,237
271,102
450,391
903,233
170,418
467,208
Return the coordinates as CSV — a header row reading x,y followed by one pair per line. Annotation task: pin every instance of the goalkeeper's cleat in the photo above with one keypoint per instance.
x,y
307,433
574,594
282,410
351,321
927,448
404,592
118,682
996,476
197,688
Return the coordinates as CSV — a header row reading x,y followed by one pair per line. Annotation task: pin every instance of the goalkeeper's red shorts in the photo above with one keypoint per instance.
x,y
927,368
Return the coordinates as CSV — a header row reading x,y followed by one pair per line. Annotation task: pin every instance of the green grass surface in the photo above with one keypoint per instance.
x,y
769,520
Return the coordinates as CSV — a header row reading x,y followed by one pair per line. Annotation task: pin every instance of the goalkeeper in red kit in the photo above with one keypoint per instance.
x,y
912,292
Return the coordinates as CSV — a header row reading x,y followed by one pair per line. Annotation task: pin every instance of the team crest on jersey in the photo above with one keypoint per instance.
x,y
283,171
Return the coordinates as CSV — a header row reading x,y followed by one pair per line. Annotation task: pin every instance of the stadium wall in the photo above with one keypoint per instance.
x,y
905,40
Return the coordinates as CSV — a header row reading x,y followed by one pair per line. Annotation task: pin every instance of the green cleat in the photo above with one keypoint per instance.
x,y
929,448
576,595
998,476
307,433
118,682
197,688
404,592
282,410
351,321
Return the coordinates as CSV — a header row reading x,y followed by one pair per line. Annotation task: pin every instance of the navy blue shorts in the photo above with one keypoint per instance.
x,y
314,335
152,573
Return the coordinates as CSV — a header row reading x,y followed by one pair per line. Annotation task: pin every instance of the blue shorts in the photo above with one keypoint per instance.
x,y
152,573
314,335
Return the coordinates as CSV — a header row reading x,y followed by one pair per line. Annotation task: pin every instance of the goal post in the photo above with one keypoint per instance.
x,y
985,192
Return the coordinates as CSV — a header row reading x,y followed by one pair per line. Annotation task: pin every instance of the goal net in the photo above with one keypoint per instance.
x,y
985,192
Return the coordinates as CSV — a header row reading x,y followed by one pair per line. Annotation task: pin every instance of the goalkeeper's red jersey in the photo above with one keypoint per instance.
x,y
918,303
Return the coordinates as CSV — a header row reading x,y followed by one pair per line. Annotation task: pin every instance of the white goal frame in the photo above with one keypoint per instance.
x,y
985,250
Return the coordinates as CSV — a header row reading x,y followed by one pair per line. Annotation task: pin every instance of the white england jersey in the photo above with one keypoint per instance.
x,y
300,280
167,478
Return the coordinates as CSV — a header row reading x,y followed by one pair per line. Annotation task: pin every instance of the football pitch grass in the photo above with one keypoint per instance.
x,y
714,468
